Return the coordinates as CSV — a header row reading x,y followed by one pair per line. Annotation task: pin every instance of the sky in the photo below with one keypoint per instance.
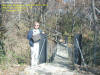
x,y
66,0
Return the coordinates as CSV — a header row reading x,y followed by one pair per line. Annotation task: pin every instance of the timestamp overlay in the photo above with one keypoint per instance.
x,y
18,6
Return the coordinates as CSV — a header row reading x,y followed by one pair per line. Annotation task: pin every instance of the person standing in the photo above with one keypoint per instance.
x,y
34,36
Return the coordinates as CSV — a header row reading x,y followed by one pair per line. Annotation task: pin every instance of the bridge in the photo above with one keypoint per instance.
x,y
60,62
61,65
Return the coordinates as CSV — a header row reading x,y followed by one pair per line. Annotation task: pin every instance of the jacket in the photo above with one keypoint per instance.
x,y
29,37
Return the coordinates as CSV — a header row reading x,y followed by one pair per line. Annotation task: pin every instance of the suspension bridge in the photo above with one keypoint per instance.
x,y
60,63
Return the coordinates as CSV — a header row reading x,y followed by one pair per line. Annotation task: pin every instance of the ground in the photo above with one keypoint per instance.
x,y
62,65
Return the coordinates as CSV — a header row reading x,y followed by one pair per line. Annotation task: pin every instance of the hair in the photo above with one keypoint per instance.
x,y
36,22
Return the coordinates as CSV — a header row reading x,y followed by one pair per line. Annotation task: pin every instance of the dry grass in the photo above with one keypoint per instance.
x,y
12,70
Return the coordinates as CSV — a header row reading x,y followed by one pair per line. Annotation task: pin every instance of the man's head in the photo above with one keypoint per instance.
x,y
36,25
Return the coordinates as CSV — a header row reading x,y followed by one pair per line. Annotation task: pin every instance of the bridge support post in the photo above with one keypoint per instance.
x,y
77,54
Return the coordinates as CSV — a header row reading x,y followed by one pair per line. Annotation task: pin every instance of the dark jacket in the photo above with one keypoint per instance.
x,y
29,37
42,45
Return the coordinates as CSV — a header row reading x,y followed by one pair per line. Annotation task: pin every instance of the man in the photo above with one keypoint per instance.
x,y
34,44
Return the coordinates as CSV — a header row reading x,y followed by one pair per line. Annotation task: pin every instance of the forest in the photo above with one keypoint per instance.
x,y
67,17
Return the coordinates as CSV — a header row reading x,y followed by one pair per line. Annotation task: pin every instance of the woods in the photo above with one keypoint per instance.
x,y
67,17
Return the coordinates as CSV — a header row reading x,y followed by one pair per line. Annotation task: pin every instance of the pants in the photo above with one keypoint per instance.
x,y
35,54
